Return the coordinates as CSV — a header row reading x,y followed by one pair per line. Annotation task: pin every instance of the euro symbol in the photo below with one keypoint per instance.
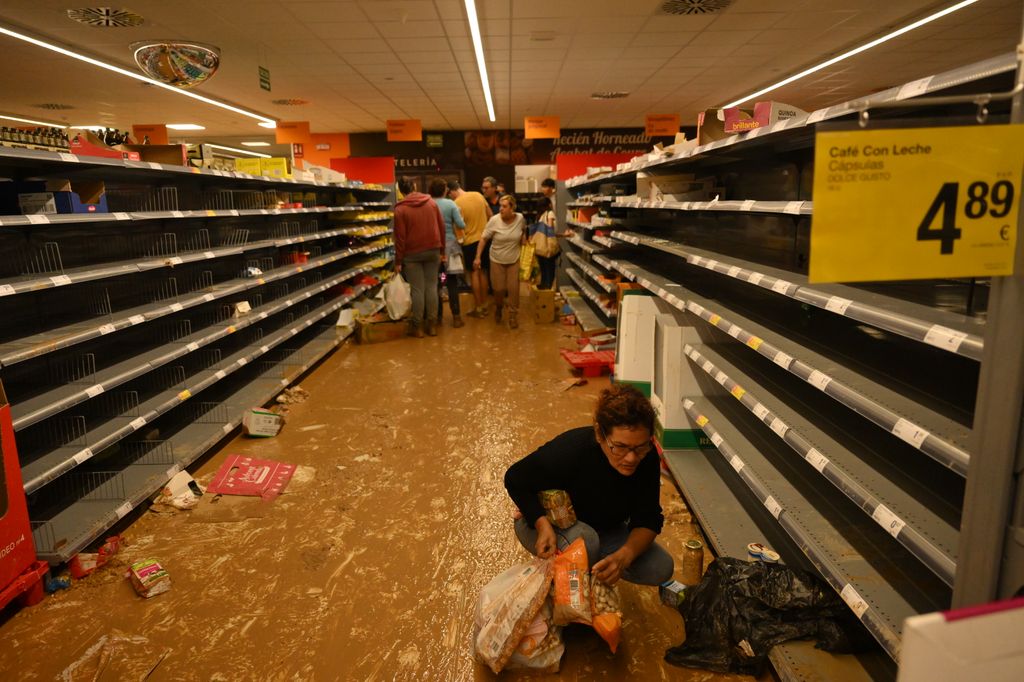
x,y
1004,233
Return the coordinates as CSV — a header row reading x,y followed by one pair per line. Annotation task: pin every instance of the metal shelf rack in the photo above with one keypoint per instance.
x,y
840,420
143,340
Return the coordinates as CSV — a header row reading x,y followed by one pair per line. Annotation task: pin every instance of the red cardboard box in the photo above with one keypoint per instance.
x,y
17,551
765,114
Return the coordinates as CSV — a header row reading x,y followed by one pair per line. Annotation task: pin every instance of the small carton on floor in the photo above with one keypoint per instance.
x,y
672,593
149,578
543,304
376,332
260,423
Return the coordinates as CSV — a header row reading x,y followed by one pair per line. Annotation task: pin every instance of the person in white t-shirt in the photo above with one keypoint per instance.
x,y
504,234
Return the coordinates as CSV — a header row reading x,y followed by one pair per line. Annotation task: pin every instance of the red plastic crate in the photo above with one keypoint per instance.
x,y
592,364
28,587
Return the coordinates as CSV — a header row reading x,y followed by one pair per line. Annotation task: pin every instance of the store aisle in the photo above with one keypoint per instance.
x,y
369,566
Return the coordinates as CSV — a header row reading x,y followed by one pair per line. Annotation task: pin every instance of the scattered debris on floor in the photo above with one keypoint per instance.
x,y
244,475
116,656
86,563
260,423
295,394
572,382
149,578
181,493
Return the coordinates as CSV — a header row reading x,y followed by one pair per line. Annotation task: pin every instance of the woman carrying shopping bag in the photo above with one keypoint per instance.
x,y
504,234
545,244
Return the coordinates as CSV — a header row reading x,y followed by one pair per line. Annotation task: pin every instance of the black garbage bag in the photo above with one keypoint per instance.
x,y
741,609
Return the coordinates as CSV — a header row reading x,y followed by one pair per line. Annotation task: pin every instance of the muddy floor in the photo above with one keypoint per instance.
x,y
368,567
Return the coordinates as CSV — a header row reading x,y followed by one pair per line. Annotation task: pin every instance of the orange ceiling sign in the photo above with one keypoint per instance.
x,y
156,132
405,130
542,127
661,125
288,132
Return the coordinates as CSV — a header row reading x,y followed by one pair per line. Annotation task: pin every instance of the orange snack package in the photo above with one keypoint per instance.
x,y
607,613
572,585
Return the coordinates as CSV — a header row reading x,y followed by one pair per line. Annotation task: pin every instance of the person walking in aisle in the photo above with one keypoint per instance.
x,y
506,233
419,251
475,213
614,484
454,230
548,189
491,194
542,236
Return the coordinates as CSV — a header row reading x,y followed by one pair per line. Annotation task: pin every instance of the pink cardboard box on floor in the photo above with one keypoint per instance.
x,y
242,475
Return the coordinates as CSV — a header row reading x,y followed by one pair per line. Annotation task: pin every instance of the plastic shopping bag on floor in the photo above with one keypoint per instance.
x,y
541,648
398,297
506,609
572,585
606,613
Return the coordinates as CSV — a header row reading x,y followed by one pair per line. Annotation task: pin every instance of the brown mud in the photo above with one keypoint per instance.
x,y
369,565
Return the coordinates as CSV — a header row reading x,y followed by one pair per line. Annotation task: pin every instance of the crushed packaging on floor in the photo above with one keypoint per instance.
x,y
672,593
572,585
149,578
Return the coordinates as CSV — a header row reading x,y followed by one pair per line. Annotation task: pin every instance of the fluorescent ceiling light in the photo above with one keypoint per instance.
x,y
255,144
267,124
89,127
238,151
130,74
185,126
854,51
478,46
31,122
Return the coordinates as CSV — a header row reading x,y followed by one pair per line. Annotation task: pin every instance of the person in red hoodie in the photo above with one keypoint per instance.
x,y
419,251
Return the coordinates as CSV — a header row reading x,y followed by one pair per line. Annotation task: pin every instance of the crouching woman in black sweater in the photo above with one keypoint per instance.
x,y
612,476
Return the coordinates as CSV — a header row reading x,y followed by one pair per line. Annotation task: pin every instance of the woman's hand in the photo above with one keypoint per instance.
x,y
547,543
477,264
610,569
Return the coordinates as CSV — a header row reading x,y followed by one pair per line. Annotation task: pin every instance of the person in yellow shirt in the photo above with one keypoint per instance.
x,y
475,213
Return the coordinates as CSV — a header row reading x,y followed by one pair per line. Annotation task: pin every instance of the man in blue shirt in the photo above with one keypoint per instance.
x,y
454,227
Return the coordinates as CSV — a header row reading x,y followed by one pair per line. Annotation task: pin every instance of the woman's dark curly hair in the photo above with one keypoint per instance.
x,y
622,405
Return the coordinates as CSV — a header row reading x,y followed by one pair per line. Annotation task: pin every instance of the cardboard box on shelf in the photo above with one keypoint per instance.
x,y
63,196
250,166
167,154
34,203
765,114
85,143
675,187
276,167
711,125
545,310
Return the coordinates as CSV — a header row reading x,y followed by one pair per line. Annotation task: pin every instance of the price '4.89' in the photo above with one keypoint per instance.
x,y
982,200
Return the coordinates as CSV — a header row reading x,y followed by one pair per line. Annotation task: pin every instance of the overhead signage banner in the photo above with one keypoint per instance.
x,y
542,127
916,203
660,125
405,130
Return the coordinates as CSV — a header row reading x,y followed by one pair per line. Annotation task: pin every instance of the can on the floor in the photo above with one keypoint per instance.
x,y
754,551
770,556
693,562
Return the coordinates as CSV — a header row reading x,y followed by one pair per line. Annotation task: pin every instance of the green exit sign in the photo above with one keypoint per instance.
x,y
435,140
265,78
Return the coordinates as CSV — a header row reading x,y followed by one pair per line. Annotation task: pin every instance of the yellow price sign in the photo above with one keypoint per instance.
x,y
915,203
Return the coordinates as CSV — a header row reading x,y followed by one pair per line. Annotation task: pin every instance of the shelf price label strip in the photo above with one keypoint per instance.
x,y
879,628
953,341
914,541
